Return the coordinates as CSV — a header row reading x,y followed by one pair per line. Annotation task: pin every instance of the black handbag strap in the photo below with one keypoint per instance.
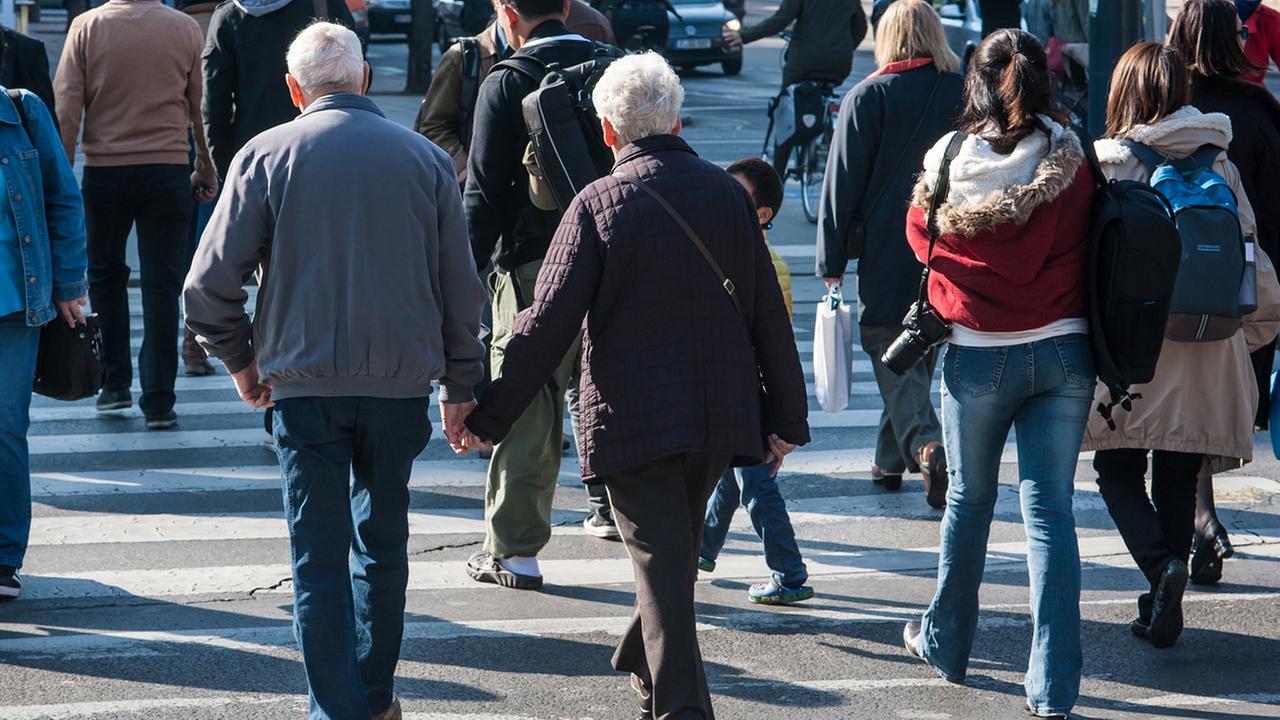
x,y
940,193
725,282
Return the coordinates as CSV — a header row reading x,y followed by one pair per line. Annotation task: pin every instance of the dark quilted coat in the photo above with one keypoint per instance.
x,y
668,365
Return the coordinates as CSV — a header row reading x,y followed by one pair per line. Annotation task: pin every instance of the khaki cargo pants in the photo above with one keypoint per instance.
x,y
523,471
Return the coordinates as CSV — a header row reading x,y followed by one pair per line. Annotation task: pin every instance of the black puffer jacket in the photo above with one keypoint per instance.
x,y
668,363
874,163
244,69
825,35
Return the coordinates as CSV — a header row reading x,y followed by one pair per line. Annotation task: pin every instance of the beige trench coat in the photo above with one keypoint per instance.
x,y
1204,397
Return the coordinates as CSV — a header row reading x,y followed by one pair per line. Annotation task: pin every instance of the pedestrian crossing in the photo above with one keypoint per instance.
x,y
190,520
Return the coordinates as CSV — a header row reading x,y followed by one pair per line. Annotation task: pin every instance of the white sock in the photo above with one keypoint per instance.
x,y
521,565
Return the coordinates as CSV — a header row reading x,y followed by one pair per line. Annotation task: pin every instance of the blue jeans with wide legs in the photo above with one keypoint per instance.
x,y
349,537
1044,390
18,346
754,489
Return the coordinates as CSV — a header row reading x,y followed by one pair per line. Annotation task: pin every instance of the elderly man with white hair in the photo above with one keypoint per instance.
x,y
689,363
367,294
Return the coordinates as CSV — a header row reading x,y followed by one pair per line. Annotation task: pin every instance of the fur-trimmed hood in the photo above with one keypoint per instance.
x,y
1178,134
989,189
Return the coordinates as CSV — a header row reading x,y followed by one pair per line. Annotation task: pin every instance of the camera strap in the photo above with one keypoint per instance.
x,y
940,193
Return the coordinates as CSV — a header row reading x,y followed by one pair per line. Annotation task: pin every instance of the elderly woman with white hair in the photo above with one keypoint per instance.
x,y
689,363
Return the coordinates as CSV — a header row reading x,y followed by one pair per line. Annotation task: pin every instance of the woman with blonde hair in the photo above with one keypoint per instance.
x,y
887,123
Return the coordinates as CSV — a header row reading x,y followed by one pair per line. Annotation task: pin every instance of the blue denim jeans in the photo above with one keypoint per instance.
x,y
759,493
18,346
1044,390
349,539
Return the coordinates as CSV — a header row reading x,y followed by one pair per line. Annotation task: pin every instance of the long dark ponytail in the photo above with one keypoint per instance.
x,y
1006,90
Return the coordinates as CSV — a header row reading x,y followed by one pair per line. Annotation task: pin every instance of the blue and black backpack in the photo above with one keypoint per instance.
x,y
1212,291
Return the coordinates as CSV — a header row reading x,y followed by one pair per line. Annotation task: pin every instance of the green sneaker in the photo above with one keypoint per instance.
x,y
706,566
772,593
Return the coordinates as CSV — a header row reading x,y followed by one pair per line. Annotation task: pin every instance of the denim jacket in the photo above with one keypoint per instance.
x,y
42,191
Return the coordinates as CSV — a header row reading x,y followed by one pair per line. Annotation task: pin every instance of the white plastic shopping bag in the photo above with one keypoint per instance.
x,y
833,352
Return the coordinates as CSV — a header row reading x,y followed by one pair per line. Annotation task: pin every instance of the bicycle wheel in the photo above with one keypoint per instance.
x,y
813,163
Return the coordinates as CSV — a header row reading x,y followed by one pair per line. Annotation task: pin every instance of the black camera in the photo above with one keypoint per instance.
x,y
923,330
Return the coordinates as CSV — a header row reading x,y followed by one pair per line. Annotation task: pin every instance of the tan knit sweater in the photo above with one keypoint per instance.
x,y
131,70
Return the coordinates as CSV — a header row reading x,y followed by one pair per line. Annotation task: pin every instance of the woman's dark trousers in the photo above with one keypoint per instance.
x,y
659,508
1157,529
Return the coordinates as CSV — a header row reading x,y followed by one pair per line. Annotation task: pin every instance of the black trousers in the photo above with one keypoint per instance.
x,y
1160,528
157,199
660,508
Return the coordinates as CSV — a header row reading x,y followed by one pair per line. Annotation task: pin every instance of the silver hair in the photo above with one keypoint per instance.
x,y
326,58
640,95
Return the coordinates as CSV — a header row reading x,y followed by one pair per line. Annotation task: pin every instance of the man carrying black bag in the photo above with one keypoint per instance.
x,y
505,224
42,280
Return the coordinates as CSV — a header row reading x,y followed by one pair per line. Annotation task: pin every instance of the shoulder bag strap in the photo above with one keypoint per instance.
x,y
321,9
940,193
875,203
725,282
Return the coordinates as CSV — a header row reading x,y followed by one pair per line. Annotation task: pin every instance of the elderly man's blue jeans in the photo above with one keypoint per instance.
x,y
18,346
1045,391
759,493
349,536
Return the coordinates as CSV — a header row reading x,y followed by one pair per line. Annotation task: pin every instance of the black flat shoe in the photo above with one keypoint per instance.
x,y
889,481
935,477
1166,605
1209,548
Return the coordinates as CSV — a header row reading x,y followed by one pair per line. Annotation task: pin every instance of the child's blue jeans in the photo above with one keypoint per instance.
x,y
759,493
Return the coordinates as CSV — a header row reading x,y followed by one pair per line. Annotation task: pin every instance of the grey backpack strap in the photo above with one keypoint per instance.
x,y
725,282
1205,157
1150,158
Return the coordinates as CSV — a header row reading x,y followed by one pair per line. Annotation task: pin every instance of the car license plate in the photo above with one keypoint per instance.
x,y
693,44
404,19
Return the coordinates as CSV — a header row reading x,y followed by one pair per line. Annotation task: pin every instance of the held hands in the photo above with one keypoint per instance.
x,y
833,282
454,417
778,449
732,38
254,393
70,310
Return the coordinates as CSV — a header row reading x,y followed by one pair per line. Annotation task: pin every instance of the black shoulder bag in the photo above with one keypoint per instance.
x,y
69,361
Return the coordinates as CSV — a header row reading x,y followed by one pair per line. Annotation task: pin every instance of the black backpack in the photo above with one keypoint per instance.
x,y
1134,251
564,129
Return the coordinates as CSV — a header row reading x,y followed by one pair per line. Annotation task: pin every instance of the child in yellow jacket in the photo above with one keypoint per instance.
x,y
755,487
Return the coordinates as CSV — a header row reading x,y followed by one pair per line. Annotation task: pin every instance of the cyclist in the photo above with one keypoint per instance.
x,y
825,34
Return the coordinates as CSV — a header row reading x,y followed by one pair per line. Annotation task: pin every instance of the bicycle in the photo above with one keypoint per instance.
x,y
809,159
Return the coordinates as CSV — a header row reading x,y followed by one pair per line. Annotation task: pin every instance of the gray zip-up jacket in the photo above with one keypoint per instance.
x,y
367,285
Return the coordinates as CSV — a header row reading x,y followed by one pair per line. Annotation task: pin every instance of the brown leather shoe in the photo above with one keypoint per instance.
x,y
392,712
194,359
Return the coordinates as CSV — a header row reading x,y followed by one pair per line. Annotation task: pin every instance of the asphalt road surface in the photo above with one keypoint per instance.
x,y
158,578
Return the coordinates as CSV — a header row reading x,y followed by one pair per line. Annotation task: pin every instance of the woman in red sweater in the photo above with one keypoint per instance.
x,y
1008,273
